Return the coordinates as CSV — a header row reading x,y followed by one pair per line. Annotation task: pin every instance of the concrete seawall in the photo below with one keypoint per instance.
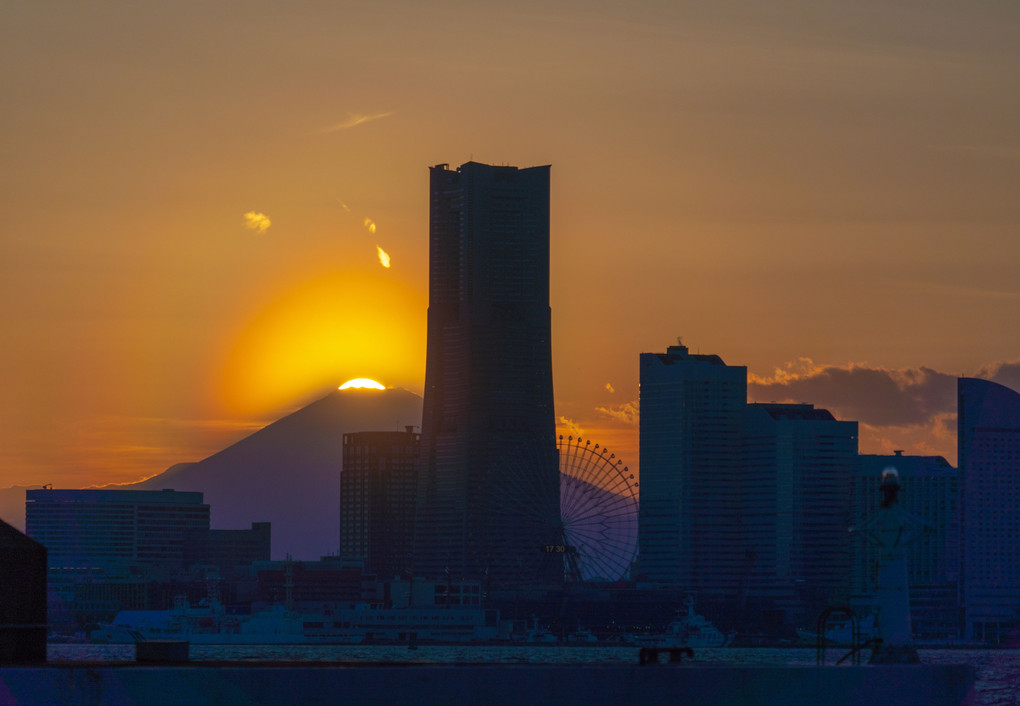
x,y
441,684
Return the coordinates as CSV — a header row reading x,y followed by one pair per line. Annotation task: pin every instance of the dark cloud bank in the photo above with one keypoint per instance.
x,y
877,397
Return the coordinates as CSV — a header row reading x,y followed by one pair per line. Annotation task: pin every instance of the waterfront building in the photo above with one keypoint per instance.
x,y
488,496
930,493
988,438
378,486
112,550
795,485
85,529
690,529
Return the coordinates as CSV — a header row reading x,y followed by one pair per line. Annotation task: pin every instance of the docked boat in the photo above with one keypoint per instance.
x,y
690,630
350,624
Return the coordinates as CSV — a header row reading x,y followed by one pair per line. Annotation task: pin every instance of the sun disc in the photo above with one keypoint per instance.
x,y
362,383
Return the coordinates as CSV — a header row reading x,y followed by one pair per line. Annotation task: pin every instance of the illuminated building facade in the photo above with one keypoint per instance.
x,y
488,495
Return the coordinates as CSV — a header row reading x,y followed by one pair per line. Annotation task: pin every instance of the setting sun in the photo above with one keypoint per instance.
x,y
365,383
319,330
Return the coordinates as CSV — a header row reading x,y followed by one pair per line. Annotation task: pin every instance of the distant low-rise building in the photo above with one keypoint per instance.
x,y
112,550
133,529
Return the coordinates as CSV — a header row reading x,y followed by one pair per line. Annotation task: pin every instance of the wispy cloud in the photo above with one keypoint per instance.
x,y
254,220
610,388
355,119
571,426
369,225
384,257
626,412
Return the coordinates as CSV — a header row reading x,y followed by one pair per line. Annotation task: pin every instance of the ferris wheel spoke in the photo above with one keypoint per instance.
x,y
598,508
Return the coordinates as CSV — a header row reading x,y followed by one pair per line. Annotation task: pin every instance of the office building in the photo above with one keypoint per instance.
x,y
795,482
690,526
988,438
112,550
488,495
378,486
97,528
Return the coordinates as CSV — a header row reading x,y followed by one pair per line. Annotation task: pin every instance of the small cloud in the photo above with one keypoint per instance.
x,y
790,372
626,412
370,225
353,120
345,207
257,221
384,257
609,386
571,426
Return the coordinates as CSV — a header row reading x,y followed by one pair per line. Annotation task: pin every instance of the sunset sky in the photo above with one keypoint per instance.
x,y
198,199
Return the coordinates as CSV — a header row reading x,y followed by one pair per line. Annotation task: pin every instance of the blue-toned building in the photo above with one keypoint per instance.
x,y
488,495
795,480
690,529
988,428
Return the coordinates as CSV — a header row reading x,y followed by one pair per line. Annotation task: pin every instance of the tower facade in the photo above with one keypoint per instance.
x,y
378,485
795,488
692,410
988,438
488,496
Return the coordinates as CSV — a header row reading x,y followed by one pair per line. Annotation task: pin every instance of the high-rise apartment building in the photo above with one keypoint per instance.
x,y
690,528
795,485
988,438
488,495
378,486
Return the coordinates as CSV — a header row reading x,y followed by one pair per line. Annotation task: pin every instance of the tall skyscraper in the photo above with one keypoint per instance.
x,y
746,504
795,484
488,496
690,532
378,486
988,439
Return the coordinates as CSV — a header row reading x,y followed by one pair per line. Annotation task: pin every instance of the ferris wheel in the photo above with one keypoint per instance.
x,y
598,510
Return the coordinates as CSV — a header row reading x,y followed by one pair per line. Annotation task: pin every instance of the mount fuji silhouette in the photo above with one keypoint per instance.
x,y
288,473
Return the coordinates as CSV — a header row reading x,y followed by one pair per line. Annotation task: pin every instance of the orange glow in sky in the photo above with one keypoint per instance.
x,y
187,251
317,332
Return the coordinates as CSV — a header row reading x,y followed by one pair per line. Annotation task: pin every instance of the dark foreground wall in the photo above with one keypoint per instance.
x,y
22,598
445,685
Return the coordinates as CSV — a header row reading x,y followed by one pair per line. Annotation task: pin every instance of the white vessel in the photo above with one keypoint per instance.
x,y
346,625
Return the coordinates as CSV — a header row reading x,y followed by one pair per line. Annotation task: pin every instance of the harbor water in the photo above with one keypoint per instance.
x,y
998,671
